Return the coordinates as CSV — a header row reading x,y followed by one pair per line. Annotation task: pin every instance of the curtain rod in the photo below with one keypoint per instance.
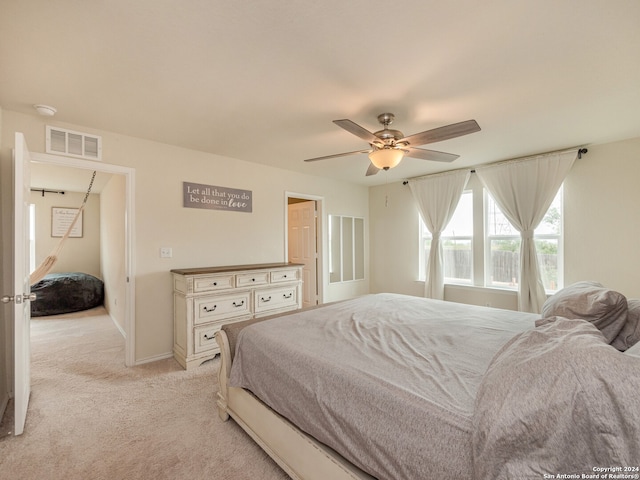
x,y
581,151
44,190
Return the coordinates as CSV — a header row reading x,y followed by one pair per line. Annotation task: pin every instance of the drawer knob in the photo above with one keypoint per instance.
x,y
262,299
207,337
253,279
215,284
284,276
208,310
241,304
287,296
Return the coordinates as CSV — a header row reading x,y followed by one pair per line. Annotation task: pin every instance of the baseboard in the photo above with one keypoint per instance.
x,y
3,406
118,326
155,358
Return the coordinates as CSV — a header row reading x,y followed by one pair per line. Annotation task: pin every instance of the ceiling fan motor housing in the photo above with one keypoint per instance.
x,y
388,136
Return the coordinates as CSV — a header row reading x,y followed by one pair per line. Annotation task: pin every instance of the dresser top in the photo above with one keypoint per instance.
x,y
232,268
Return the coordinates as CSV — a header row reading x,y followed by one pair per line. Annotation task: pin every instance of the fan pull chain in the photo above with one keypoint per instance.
x,y
386,187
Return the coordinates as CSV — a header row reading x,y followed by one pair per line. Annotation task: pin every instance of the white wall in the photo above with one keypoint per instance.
x,y
602,223
112,248
394,240
198,237
602,229
78,254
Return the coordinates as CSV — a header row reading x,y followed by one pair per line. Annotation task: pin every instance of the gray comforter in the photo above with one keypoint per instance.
x,y
389,381
558,401
411,388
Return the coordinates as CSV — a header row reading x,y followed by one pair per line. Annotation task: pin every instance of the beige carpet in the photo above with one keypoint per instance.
x,y
90,417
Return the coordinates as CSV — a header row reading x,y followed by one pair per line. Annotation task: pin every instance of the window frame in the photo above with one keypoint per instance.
x,y
481,242
559,237
346,248
424,234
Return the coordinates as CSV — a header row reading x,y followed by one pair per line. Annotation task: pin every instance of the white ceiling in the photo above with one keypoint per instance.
x,y
262,80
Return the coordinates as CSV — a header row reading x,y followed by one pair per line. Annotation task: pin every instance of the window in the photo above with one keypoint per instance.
x,y
457,243
491,258
346,248
502,247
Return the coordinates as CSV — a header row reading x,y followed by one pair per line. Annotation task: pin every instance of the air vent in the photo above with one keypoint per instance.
x,y
73,144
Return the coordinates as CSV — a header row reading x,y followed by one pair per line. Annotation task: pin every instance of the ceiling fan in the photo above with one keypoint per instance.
x,y
389,146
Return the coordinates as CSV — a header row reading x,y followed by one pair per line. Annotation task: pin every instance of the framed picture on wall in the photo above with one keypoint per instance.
x,y
61,219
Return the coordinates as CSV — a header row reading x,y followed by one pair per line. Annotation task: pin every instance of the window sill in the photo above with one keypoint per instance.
x,y
478,288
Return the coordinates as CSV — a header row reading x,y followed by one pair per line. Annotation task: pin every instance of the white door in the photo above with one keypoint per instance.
x,y
303,247
22,287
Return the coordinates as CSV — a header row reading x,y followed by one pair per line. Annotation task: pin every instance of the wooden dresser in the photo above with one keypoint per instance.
x,y
206,298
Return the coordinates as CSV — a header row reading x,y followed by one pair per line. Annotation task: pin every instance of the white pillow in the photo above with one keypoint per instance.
x,y
605,309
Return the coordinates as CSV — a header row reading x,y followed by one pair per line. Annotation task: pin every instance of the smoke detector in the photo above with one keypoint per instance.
x,y
45,110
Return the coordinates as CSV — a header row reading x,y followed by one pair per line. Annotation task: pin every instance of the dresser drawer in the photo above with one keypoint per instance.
x,y
250,279
284,276
211,283
204,337
276,298
206,298
212,308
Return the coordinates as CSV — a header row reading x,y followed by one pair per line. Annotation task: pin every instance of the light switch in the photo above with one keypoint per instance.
x,y
166,252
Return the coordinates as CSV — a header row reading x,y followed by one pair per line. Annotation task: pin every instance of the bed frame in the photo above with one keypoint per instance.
x,y
298,454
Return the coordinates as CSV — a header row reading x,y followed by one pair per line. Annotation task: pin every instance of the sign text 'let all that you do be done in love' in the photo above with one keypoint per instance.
x,y
196,195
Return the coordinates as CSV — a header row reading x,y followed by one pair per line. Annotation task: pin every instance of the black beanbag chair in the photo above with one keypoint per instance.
x,y
60,293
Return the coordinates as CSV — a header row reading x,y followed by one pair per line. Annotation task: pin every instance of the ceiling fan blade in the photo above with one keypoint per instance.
x,y
337,155
357,130
372,170
442,133
432,155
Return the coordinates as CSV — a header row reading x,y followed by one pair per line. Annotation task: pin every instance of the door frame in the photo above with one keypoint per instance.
x,y
320,228
130,270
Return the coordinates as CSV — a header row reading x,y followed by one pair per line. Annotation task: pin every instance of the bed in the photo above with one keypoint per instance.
x,y
59,293
390,386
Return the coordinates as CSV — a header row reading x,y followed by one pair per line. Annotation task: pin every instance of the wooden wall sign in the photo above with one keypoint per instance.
x,y
212,197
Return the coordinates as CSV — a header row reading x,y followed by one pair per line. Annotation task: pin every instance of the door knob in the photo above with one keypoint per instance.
x,y
19,298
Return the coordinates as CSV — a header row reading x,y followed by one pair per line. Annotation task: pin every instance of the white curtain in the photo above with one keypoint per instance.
x,y
437,197
524,190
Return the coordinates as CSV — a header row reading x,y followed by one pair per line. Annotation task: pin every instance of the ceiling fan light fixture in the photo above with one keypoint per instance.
x,y
386,158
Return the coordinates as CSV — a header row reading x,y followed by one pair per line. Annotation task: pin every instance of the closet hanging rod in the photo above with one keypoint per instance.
x,y
581,152
44,190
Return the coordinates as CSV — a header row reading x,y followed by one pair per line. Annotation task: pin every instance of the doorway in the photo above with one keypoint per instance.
x,y
123,286
303,245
